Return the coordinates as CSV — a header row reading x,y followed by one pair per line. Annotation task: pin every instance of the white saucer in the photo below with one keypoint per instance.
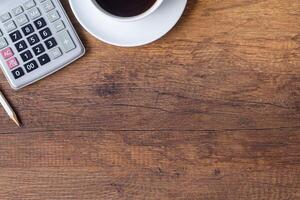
x,y
128,34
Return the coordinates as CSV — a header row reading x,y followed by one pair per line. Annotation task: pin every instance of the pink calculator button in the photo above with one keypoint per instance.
x,y
7,53
12,63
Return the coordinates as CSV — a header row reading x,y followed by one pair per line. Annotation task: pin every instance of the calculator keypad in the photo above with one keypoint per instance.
x,y
17,10
53,16
34,34
48,6
29,4
15,36
55,53
22,20
10,26
45,33
3,43
7,53
18,73
27,55
12,63
44,59
28,29
40,23
33,39
39,49
32,65
34,13
50,43
59,25
5,17
20,46
66,41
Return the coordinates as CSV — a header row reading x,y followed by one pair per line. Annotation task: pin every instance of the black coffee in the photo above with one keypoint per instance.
x,y
126,8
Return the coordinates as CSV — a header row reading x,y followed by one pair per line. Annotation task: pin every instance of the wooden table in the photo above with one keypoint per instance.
x,y
209,112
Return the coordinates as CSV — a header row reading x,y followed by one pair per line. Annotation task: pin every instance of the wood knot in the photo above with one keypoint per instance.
x,y
217,172
109,89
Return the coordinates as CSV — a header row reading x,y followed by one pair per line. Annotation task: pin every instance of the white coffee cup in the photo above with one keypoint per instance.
x,y
153,8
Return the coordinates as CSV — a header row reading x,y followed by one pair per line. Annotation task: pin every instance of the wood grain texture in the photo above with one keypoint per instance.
x,y
209,112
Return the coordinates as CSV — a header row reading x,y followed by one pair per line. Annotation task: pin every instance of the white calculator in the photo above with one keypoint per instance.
x,y
36,39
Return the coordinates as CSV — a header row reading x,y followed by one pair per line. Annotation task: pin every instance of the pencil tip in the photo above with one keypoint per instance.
x,y
17,122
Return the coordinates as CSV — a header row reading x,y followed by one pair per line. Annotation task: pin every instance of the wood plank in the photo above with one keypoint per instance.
x,y
150,165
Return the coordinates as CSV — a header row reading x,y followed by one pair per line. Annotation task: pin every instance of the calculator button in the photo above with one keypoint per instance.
x,y
32,65
33,39
18,73
55,53
50,43
18,10
27,55
45,33
15,36
53,16
34,13
10,26
48,6
65,41
21,46
38,49
29,4
28,29
7,53
59,25
44,59
12,63
5,17
3,43
21,20
40,23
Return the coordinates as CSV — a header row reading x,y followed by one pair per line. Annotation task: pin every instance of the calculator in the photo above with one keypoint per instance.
x,y
36,39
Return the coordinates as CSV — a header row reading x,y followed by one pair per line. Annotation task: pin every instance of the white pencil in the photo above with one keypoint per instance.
x,y
11,113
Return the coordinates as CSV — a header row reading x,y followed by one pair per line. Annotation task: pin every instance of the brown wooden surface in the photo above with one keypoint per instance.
x,y
209,112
